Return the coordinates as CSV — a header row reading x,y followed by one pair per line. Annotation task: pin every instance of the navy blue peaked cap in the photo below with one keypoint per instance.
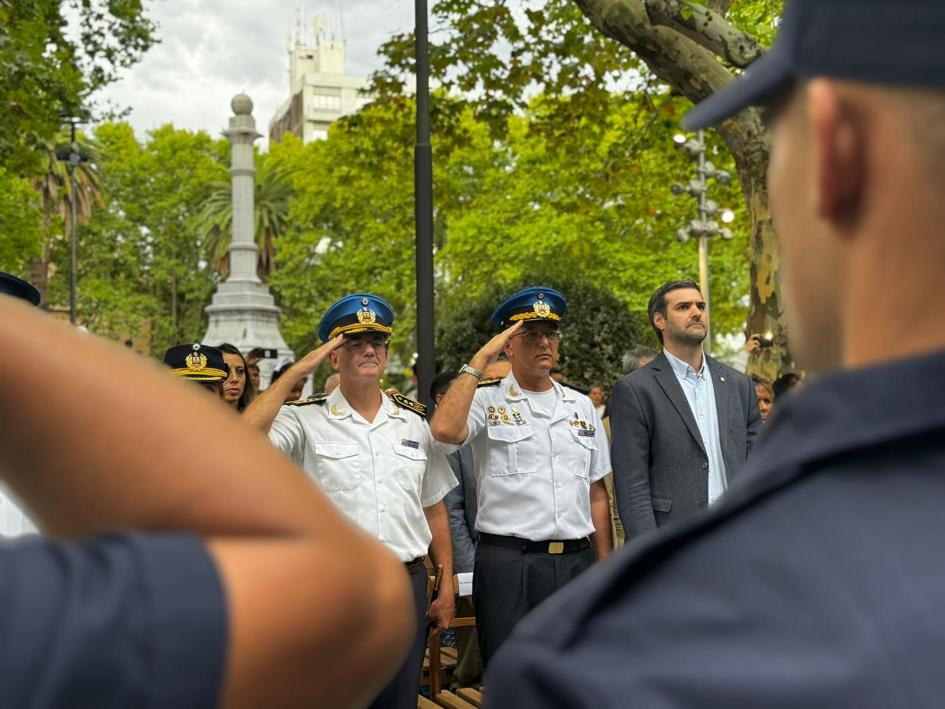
x,y
197,362
18,288
891,42
534,304
358,312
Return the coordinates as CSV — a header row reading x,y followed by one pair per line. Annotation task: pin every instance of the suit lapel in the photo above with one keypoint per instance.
x,y
720,387
667,380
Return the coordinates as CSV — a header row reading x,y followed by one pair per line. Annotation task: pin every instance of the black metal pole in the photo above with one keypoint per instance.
x,y
423,214
73,285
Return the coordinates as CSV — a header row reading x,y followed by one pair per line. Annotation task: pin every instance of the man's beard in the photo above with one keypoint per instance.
x,y
690,336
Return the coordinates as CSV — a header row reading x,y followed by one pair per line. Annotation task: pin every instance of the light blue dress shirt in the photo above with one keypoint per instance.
x,y
697,386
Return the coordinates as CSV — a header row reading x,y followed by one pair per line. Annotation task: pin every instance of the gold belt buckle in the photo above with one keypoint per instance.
x,y
556,547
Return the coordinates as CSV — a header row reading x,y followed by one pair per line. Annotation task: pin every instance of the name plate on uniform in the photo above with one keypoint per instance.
x,y
464,584
582,432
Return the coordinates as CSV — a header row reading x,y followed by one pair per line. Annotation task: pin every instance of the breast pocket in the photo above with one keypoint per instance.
x,y
337,466
411,464
509,450
583,446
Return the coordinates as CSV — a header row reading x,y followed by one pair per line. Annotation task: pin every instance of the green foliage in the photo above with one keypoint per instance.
x,y
759,18
597,330
141,267
47,69
499,55
352,223
20,225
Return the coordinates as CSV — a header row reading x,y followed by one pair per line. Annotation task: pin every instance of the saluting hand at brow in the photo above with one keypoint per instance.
x,y
493,348
313,359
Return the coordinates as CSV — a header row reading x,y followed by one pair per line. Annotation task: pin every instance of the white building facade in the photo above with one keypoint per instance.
x,y
320,91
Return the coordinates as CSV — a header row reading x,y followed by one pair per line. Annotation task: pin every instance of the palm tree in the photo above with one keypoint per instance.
x,y
271,207
55,194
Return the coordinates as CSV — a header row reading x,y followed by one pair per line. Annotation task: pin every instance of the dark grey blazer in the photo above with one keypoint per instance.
x,y
461,507
661,469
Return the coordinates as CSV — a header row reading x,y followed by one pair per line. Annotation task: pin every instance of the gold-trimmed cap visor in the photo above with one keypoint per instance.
x,y
359,312
197,362
536,304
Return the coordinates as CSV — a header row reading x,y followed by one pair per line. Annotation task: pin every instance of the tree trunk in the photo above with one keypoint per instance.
x,y
693,71
39,276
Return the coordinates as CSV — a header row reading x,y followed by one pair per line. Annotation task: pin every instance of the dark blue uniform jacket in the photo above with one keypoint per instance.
x,y
121,621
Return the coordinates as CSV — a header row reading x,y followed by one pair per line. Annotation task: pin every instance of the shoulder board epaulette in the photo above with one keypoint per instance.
x,y
313,399
489,383
408,403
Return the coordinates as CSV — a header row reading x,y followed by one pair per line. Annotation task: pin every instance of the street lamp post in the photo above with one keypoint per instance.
x,y
704,226
73,157
423,214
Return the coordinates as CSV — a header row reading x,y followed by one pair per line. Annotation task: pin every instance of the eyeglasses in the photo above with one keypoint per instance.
x,y
534,336
357,344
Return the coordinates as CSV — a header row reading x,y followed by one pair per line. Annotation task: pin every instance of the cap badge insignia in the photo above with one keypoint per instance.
x,y
195,361
542,309
366,315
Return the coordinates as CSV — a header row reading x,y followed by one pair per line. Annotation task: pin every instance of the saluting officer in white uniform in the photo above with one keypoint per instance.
x,y
373,455
541,455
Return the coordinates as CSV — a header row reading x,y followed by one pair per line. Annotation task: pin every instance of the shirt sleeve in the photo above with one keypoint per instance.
x,y
476,420
287,434
600,461
438,478
119,620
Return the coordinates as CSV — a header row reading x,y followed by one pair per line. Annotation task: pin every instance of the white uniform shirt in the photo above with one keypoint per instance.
x,y
381,474
534,468
13,521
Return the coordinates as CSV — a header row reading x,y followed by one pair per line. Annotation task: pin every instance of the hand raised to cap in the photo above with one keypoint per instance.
x,y
493,348
310,362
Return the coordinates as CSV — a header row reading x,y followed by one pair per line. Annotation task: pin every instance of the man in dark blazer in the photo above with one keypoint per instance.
x,y
683,424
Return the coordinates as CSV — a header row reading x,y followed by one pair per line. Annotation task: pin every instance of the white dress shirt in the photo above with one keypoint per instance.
x,y
381,474
535,463
13,521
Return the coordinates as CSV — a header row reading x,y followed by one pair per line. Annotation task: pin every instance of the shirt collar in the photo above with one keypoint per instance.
x,y
338,407
514,392
681,368
393,408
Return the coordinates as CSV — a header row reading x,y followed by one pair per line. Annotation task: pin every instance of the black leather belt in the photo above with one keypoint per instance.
x,y
549,546
415,566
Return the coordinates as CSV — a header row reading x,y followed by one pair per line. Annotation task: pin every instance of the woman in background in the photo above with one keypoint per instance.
x,y
236,391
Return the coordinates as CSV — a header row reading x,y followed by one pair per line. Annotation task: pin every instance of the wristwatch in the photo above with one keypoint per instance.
x,y
469,370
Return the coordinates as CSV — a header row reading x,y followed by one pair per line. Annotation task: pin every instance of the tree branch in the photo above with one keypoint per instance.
x,y
705,27
720,6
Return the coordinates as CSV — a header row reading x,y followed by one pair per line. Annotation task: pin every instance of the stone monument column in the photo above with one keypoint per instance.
x,y
242,311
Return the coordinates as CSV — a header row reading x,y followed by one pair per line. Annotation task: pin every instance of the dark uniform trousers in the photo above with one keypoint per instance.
x,y
402,691
509,582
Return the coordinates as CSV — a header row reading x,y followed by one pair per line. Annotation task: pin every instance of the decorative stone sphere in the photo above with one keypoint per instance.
x,y
242,105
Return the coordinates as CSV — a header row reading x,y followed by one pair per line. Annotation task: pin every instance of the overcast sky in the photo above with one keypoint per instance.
x,y
210,50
